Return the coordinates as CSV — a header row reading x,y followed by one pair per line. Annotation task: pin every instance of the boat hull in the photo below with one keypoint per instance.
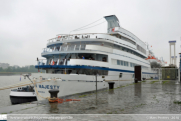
x,y
67,88
22,97
19,100
70,84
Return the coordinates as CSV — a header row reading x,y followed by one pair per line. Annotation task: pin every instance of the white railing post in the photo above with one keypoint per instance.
x,y
178,75
60,48
74,47
80,47
67,48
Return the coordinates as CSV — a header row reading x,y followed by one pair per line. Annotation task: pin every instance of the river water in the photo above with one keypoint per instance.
x,y
6,81
147,97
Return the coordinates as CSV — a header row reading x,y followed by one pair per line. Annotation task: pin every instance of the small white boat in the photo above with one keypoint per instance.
x,y
23,95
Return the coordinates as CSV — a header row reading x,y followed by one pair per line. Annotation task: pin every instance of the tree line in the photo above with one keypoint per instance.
x,y
19,69
155,65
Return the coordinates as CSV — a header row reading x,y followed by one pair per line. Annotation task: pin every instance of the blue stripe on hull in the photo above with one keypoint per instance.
x,y
86,67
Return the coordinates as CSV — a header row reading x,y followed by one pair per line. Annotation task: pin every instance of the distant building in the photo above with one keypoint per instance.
x,y
4,65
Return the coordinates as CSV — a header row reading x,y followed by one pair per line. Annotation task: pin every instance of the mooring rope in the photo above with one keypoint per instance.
x,y
20,85
15,84
38,94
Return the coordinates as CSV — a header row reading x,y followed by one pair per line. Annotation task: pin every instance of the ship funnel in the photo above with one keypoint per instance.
x,y
112,21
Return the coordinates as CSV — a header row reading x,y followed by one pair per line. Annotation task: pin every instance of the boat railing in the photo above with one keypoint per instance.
x,y
65,61
41,62
61,37
64,48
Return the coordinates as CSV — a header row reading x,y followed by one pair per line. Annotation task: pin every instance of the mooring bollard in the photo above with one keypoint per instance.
x,y
144,79
111,85
136,80
53,93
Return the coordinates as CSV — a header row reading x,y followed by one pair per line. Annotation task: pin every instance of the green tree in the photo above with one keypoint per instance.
x,y
1,69
155,65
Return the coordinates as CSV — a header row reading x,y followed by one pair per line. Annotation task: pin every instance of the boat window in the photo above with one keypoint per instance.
x,y
141,49
123,38
80,71
118,62
70,46
122,63
77,45
82,45
64,59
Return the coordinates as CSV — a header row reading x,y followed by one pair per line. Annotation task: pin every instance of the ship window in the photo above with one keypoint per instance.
x,y
77,46
80,71
125,49
118,62
82,46
122,63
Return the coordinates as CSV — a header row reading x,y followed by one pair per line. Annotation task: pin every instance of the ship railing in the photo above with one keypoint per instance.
x,y
41,62
62,37
66,62
64,48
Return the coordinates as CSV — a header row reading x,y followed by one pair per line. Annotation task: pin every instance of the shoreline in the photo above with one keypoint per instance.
x,y
14,73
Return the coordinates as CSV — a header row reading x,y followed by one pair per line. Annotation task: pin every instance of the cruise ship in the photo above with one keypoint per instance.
x,y
72,60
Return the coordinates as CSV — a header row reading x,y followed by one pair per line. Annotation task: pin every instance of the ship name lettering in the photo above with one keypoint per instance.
x,y
49,86
42,86
58,87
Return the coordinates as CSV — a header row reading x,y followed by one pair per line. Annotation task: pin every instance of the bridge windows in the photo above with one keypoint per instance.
x,y
81,71
125,63
123,38
77,46
120,62
141,49
64,58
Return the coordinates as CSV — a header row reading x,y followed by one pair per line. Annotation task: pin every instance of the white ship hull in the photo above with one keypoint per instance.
x,y
70,84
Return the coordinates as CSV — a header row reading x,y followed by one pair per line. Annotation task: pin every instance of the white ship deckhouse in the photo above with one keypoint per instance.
x,y
72,59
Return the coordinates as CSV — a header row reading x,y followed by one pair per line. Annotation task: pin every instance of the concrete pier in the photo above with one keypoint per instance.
x,y
146,97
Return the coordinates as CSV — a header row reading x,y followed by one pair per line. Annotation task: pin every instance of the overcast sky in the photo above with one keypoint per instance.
x,y
26,25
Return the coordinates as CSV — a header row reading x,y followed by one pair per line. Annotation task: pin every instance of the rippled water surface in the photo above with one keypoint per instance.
x,y
150,97
4,94
147,97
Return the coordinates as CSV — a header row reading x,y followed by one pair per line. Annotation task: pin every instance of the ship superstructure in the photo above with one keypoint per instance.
x,y
76,58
